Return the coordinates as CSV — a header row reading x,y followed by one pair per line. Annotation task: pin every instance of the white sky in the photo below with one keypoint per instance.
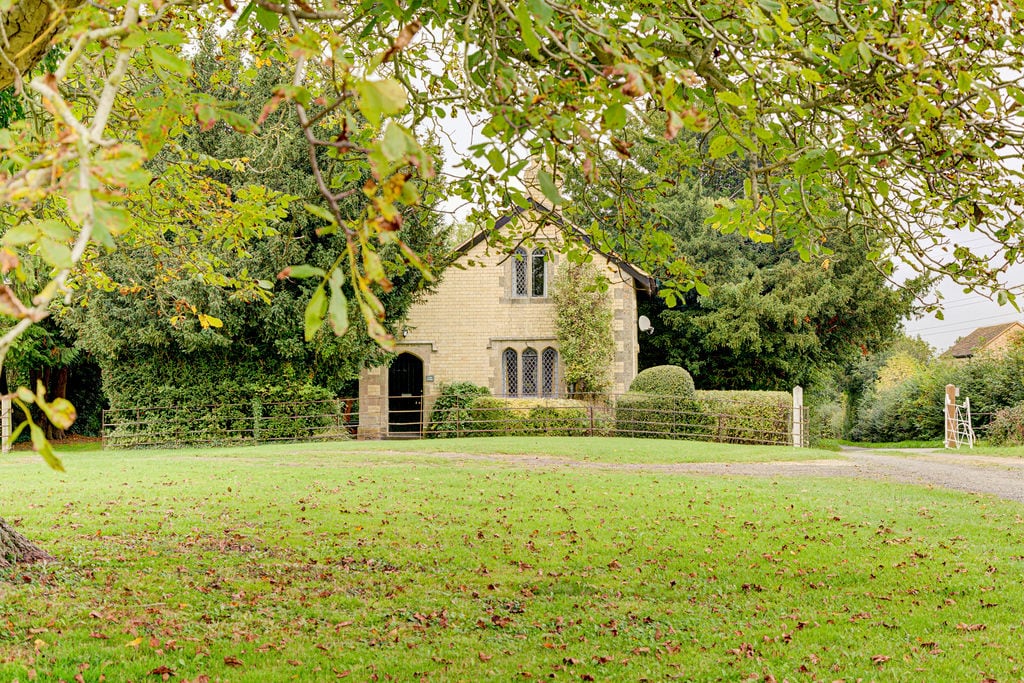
x,y
963,313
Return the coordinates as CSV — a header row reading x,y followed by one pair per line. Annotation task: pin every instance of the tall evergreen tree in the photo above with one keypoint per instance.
x,y
153,312
760,316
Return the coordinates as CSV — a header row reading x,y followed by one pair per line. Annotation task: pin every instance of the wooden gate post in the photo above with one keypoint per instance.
x,y
950,414
798,417
6,420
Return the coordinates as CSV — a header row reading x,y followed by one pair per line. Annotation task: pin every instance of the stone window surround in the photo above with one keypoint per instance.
x,y
522,270
500,345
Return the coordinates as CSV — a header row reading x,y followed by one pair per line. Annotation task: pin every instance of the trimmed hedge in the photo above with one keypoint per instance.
x,y
723,416
663,380
490,416
246,414
746,416
656,416
450,414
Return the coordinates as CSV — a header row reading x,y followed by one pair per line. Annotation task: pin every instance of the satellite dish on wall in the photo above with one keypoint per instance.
x,y
645,324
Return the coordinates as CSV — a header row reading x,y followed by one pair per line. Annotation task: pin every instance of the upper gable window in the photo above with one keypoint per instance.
x,y
529,273
520,277
538,272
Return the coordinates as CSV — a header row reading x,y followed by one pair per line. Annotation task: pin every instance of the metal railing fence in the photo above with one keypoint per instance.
x,y
256,422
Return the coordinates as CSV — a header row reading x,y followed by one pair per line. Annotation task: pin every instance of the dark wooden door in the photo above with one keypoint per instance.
x,y
405,390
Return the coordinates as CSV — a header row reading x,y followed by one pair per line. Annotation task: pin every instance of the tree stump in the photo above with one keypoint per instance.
x,y
16,549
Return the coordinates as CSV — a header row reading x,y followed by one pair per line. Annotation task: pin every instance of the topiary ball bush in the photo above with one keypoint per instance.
x,y
664,380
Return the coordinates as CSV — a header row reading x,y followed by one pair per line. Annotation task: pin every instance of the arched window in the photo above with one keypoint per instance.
x,y
529,372
510,369
519,273
539,281
549,372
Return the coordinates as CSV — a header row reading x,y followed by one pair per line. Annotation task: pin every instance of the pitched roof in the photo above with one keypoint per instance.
x,y
645,281
977,340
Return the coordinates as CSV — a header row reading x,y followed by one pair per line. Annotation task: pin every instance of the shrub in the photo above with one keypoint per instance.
x,y
450,413
660,404
725,416
247,414
661,417
746,416
663,380
910,410
1007,427
490,416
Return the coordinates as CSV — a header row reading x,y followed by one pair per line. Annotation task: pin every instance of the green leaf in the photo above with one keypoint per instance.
x,y
55,230
547,186
380,98
530,38
302,271
702,289
721,146
55,253
43,447
139,38
826,13
60,412
496,159
614,117
883,188
166,59
316,309
21,234
396,142
267,19
542,11
770,5
111,221
810,75
321,213
731,98
809,162
865,52
337,312
243,18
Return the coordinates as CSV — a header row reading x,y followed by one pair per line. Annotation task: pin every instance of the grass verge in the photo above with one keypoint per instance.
x,y
306,562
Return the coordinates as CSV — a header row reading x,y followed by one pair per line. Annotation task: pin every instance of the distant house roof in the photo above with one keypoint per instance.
x,y
978,341
645,281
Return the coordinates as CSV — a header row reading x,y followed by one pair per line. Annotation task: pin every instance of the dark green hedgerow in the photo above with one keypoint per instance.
x,y
241,414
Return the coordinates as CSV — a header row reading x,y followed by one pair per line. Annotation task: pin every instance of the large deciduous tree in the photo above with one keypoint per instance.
x,y
135,313
759,317
905,113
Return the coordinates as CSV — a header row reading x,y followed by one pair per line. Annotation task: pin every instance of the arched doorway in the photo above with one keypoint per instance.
x,y
405,396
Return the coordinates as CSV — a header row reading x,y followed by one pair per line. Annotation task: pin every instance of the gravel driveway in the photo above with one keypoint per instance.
x,y
958,470
1003,477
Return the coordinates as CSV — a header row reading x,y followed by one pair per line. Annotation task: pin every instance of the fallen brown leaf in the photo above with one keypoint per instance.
x,y
970,627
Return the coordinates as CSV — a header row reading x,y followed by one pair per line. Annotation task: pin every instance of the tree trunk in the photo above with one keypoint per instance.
x,y
16,549
29,26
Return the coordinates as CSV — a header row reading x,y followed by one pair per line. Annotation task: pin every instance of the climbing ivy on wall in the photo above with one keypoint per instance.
x,y
584,328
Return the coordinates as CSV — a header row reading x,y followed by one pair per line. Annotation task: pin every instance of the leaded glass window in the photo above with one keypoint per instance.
x,y
538,273
548,372
510,367
529,372
519,273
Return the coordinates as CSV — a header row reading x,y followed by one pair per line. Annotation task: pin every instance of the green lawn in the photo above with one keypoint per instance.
x,y
309,562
